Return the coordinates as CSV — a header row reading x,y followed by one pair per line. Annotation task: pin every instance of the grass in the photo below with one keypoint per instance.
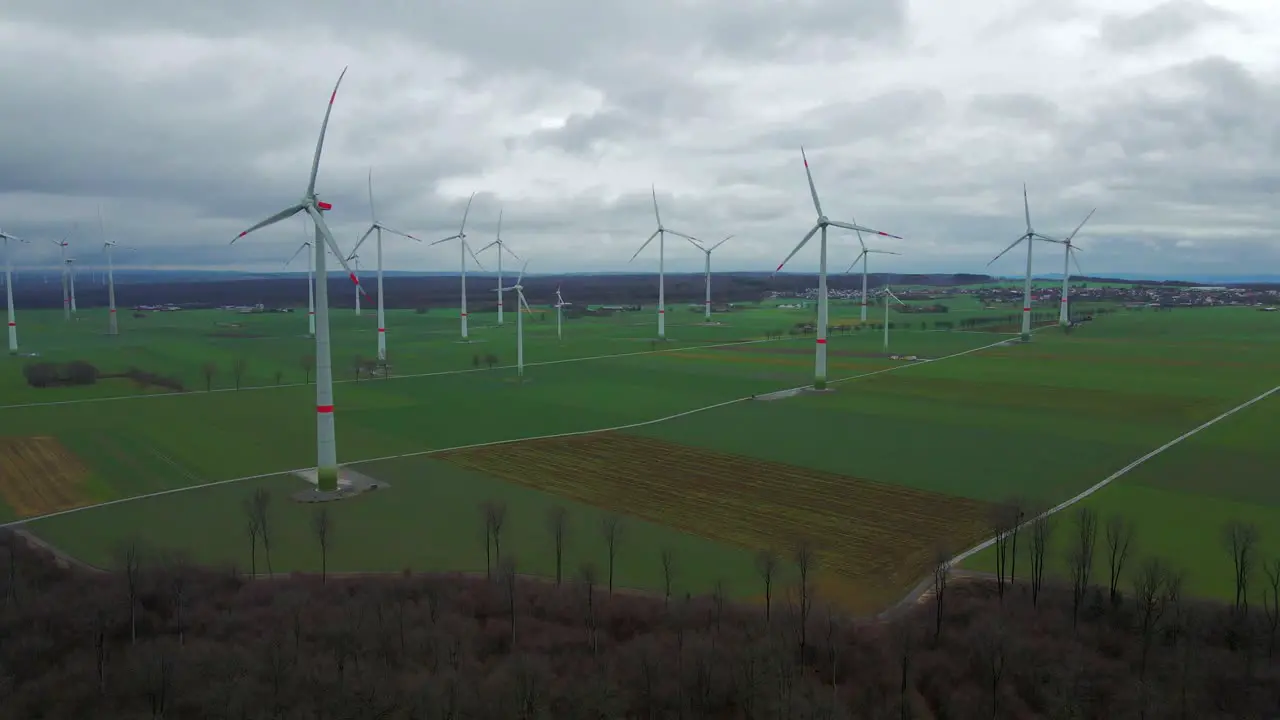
x,y
1039,421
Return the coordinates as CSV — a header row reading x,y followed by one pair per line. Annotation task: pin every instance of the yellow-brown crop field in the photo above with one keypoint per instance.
x,y
873,540
39,476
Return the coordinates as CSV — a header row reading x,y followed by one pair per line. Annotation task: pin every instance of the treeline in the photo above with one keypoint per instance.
x,y
159,637
82,372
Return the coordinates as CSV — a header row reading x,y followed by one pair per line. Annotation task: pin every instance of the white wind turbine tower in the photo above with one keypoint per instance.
x,y
707,278
6,238
560,305
820,359
376,228
66,292
502,247
71,279
108,247
863,257
1064,312
461,237
1030,236
520,301
311,287
661,234
888,294
326,439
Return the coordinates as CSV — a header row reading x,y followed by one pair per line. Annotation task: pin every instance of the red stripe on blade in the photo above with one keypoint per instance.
x,y
246,232
353,277
324,205
324,408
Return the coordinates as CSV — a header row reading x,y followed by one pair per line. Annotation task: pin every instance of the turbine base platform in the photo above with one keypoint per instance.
x,y
469,341
350,484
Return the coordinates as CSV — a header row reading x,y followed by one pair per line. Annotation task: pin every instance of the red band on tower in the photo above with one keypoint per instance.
x,y
382,330
1026,309
324,408
822,341
13,324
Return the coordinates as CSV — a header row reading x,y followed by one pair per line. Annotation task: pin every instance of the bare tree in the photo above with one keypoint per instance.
x,y
767,567
611,528
941,572
1150,587
558,522
1271,603
255,531
279,375
1119,534
1241,540
322,527
992,655
589,578
805,561
1041,533
209,370
130,562
1002,523
668,572
495,515
261,505
238,369
1080,556
308,363
11,586
509,577
1015,510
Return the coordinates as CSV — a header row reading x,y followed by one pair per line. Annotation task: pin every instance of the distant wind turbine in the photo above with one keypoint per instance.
x,y
376,228
6,238
560,305
520,301
888,294
661,234
326,438
465,249
71,275
1069,250
311,288
863,257
502,247
823,222
108,247
66,292
707,273
1030,236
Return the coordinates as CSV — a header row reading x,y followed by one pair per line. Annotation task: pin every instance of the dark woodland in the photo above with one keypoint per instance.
x,y
157,637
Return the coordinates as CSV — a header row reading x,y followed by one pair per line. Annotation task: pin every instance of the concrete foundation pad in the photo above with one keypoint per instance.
x,y
350,484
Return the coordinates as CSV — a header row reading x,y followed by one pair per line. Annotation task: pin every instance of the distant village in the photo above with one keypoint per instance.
x,y
1133,297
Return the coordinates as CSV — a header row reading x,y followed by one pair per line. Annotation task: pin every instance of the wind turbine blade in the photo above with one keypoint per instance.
x,y
1026,206
854,264
1079,270
861,244
895,297
503,247
856,228
324,126
680,234
393,231
1082,222
645,245
812,190
462,229
521,275
333,246
793,252
301,247
498,235
282,215
725,240
520,294
654,191
1002,252
479,264
695,242
72,231
373,215
451,237
360,242
883,252
486,247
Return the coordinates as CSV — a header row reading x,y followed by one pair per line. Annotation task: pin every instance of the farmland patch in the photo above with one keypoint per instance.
x,y
38,476
873,540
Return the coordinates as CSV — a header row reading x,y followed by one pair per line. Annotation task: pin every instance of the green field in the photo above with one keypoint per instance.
x,y
1041,422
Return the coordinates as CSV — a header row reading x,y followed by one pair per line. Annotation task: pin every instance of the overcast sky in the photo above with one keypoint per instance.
x,y
187,122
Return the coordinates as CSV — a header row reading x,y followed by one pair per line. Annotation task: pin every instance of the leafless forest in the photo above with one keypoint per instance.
x,y
160,638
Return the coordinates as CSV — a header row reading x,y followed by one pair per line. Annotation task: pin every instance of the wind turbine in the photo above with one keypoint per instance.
x,y
707,251
376,228
502,247
661,234
6,238
1064,313
888,294
820,355
71,276
326,440
560,304
311,288
461,237
108,247
863,257
1030,236
519,318
66,293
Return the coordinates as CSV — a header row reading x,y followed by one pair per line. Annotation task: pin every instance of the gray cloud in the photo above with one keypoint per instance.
x,y
1168,22
188,123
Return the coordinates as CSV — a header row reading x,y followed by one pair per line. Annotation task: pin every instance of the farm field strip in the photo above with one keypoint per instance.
x,y
39,476
872,538
1118,474
629,426
336,381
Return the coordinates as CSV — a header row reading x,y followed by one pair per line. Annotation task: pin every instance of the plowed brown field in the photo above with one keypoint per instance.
x,y
874,540
38,476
